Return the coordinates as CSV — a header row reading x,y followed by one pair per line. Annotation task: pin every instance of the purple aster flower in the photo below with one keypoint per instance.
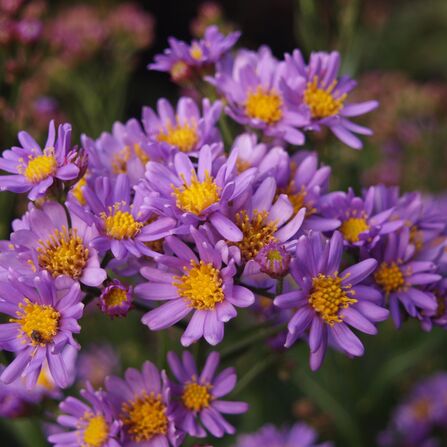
x,y
185,129
316,86
299,435
47,242
328,302
142,402
190,283
116,299
34,169
199,406
439,316
360,226
184,61
253,90
195,195
123,225
42,322
402,279
90,422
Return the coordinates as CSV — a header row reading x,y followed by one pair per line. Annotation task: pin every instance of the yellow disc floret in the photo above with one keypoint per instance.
x,y
39,322
353,227
328,296
183,136
200,286
96,431
78,190
40,167
120,224
197,196
257,232
321,100
63,253
115,297
196,397
264,105
145,417
389,277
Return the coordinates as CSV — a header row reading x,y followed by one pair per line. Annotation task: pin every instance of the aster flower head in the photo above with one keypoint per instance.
x,y
403,280
184,62
116,299
41,324
328,302
189,282
299,435
360,226
34,169
317,87
123,225
142,403
45,241
199,405
185,129
90,422
196,195
252,89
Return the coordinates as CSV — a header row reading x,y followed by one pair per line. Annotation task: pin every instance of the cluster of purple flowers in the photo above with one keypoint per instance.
x,y
166,213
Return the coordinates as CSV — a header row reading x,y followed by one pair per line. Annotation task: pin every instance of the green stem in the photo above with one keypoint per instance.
x,y
226,132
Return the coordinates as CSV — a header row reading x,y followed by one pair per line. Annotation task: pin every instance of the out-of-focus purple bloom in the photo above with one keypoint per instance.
x,y
116,299
143,403
190,283
317,87
42,323
199,405
28,30
185,129
90,422
328,302
299,435
35,169
252,87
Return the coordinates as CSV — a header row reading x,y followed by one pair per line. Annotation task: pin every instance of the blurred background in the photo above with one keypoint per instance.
x,y
85,62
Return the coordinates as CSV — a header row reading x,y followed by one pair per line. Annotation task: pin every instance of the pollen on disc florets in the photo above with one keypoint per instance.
x,y
353,227
120,224
264,105
389,277
96,430
182,136
321,100
40,167
196,396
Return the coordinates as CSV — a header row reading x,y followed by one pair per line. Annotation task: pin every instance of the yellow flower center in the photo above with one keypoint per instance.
x,y
298,199
196,397
120,159
40,167
389,277
96,432
321,101
78,192
182,136
200,286
44,380
197,196
39,322
264,105
353,227
421,409
196,52
328,297
416,237
179,71
257,233
63,253
120,224
115,297
145,417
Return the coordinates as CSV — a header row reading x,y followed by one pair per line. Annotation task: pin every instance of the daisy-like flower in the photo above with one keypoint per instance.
x,y
253,90
123,225
403,280
299,435
199,406
116,299
142,403
41,324
90,421
317,87
193,283
360,226
195,195
35,169
48,242
185,129
183,61
328,302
